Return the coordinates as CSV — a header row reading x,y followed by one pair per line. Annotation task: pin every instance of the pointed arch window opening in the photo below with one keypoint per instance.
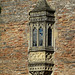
x,y
40,36
49,36
34,37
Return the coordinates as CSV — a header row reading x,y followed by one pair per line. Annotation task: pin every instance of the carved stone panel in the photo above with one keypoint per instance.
x,y
49,57
40,61
36,57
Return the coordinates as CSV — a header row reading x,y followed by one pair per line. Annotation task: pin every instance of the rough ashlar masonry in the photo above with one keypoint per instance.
x,y
14,32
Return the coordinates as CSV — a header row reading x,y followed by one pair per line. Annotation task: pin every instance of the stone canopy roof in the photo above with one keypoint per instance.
x,y
42,6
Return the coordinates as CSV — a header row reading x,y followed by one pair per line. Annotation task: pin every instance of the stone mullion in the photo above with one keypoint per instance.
x,y
37,34
44,36
47,35
53,36
31,36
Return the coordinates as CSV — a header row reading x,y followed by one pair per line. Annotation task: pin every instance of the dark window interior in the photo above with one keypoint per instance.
x,y
0,9
49,36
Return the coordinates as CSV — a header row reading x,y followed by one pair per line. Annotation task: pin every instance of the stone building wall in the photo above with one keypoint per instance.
x,y
64,56
14,36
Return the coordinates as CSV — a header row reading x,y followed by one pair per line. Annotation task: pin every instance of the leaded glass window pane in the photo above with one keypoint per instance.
x,y
34,37
40,37
49,36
